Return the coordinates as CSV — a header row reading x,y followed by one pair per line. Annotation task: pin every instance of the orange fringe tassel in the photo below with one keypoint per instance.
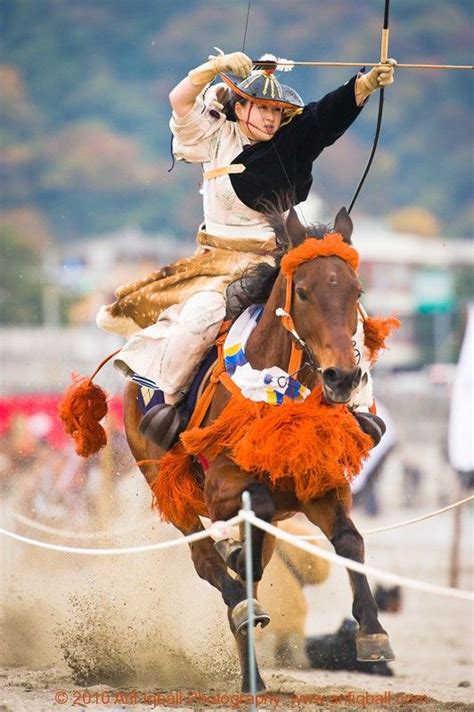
x,y
176,493
308,447
376,331
331,244
83,405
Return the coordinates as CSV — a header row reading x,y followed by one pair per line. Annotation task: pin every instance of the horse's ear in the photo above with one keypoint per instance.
x,y
343,225
295,229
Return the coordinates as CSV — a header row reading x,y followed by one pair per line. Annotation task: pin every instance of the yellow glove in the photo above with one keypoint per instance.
x,y
236,63
379,76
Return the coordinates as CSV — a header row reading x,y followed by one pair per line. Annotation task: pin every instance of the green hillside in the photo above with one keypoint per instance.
x,y
84,137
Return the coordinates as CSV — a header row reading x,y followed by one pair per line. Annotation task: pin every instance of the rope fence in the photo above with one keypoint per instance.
x,y
398,525
308,537
222,529
354,565
76,535
218,529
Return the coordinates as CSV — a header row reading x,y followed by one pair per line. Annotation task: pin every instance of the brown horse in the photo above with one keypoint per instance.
x,y
298,463
325,293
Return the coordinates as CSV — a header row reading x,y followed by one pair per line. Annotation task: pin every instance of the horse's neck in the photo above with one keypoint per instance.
x,y
270,343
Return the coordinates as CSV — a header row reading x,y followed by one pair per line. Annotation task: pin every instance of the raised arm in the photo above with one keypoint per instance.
x,y
182,97
379,77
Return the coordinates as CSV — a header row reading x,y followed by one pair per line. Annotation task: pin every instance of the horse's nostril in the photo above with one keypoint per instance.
x,y
331,376
337,378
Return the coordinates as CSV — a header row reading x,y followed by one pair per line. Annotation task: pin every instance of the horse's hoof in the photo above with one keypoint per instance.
x,y
373,648
240,616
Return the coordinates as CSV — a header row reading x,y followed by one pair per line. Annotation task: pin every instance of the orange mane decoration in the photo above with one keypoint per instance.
x,y
332,244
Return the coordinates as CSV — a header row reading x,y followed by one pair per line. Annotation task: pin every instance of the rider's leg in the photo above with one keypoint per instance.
x,y
191,336
169,353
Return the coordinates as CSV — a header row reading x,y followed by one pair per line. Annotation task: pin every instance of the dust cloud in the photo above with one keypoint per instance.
x,y
120,620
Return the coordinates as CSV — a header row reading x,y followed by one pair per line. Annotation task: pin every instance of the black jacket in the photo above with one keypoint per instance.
x,y
282,166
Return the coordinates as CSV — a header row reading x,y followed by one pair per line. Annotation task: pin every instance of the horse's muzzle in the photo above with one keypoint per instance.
x,y
339,384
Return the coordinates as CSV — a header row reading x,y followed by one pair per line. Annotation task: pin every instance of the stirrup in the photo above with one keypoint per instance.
x,y
163,424
371,424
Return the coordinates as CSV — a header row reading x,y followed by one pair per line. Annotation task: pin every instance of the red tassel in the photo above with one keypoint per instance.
x,y
83,405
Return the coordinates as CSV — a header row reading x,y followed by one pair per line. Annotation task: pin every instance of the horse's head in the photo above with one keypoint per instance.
x,y
324,302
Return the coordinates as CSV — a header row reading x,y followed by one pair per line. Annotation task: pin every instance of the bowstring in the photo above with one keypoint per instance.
x,y
275,149
377,128
246,25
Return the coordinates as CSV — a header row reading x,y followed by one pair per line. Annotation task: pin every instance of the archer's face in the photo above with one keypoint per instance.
x,y
258,122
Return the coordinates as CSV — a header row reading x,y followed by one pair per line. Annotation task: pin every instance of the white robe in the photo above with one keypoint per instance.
x,y
214,141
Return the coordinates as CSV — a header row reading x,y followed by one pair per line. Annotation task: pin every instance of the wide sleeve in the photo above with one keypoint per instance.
x,y
328,118
195,134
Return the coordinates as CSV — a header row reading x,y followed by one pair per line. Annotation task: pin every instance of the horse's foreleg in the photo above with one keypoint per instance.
x,y
263,507
331,515
210,567
224,487
241,641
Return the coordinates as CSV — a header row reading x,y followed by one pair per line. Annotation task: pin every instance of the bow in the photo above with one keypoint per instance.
x,y
383,58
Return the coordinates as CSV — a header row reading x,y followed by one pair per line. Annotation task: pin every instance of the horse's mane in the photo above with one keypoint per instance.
x,y
257,282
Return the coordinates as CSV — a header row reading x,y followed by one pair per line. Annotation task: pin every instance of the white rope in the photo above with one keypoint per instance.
x,y
314,537
310,537
219,529
354,565
222,529
70,534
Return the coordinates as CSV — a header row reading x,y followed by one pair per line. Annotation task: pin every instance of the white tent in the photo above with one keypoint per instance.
x,y
461,421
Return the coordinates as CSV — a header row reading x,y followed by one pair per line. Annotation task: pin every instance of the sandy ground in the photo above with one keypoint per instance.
x,y
143,632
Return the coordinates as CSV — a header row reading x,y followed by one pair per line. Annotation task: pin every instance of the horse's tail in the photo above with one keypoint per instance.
x,y
81,409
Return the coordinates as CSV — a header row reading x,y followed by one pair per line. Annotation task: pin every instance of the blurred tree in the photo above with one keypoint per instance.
x,y
86,82
20,290
29,226
416,220
92,157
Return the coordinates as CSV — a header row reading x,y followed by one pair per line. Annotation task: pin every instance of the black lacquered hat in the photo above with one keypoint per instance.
x,y
264,87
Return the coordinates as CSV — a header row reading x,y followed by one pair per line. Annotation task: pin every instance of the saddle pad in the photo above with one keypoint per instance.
x,y
149,397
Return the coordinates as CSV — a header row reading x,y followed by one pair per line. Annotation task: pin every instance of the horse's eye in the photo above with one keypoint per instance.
x,y
302,294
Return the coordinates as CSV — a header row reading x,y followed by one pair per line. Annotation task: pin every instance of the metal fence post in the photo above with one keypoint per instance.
x,y
246,505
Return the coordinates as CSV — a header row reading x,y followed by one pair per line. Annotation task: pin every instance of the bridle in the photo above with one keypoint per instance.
x,y
298,346
331,244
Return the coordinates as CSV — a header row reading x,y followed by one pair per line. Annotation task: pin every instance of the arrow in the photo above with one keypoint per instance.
x,y
283,63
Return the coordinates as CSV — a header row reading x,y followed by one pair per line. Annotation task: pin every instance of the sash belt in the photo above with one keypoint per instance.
x,y
237,244
223,171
